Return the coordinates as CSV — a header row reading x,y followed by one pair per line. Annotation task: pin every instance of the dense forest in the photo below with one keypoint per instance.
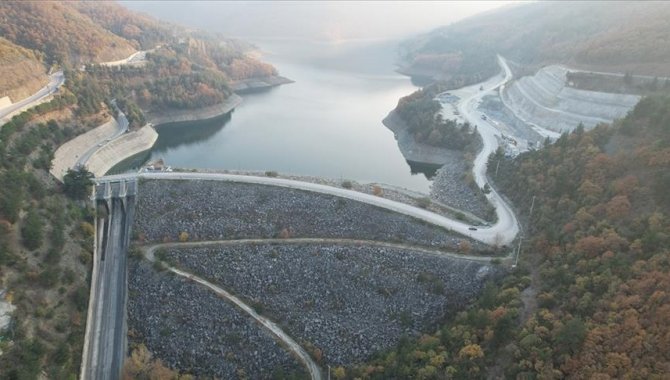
x,y
421,113
46,243
590,297
607,36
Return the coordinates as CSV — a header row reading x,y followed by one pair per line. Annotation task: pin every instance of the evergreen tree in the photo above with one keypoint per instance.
x,y
77,182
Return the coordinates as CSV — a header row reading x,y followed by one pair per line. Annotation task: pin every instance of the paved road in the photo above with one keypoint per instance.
x,y
292,345
106,333
135,58
491,235
506,227
122,128
56,80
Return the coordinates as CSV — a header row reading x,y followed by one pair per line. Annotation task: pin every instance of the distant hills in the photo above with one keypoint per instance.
x,y
607,36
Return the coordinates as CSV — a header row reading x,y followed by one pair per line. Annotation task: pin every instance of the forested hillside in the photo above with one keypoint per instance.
x,y
196,67
61,32
608,36
28,74
142,31
590,299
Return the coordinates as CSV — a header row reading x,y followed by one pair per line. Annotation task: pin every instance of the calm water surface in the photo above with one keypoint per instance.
x,y
328,123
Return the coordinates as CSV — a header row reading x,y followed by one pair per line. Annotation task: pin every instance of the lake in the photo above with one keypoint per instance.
x,y
328,123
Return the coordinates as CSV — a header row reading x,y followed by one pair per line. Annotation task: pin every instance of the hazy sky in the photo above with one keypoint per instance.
x,y
326,20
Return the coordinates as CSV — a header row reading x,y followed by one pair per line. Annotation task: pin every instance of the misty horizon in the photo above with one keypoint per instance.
x,y
328,21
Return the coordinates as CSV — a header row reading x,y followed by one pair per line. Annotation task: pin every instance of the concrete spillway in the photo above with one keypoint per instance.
x,y
105,339
545,100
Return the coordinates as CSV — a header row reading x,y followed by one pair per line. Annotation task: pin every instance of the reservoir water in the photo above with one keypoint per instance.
x,y
328,123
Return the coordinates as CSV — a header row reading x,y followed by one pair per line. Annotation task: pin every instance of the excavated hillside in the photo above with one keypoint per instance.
x,y
545,100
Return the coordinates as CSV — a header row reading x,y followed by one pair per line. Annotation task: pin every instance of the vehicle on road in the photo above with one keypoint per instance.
x,y
483,117
472,228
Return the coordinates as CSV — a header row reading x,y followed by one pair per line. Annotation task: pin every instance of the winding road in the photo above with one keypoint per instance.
x,y
122,127
506,227
501,233
55,81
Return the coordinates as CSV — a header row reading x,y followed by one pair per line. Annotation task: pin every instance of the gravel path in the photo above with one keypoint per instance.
x,y
348,301
220,341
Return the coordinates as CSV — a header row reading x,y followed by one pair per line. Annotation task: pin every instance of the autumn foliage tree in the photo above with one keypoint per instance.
x,y
597,247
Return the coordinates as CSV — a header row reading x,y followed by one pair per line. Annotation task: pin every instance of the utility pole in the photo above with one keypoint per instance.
x,y
497,166
532,204
518,252
328,371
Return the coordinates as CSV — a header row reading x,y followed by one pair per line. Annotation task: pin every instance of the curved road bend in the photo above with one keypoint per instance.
x,y
122,127
293,346
507,227
56,80
499,233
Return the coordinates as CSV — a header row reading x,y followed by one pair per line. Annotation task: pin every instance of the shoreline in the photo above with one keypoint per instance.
x,y
131,144
414,151
260,83
198,114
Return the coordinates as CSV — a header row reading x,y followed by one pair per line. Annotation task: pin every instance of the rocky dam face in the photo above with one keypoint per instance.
x,y
344,279
546,100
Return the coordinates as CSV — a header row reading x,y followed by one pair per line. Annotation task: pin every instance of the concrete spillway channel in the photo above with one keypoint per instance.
x,y
105,339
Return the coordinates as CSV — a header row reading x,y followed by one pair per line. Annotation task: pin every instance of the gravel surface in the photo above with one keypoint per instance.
x,y
450,188
348,301
192,329
211,210
508,123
